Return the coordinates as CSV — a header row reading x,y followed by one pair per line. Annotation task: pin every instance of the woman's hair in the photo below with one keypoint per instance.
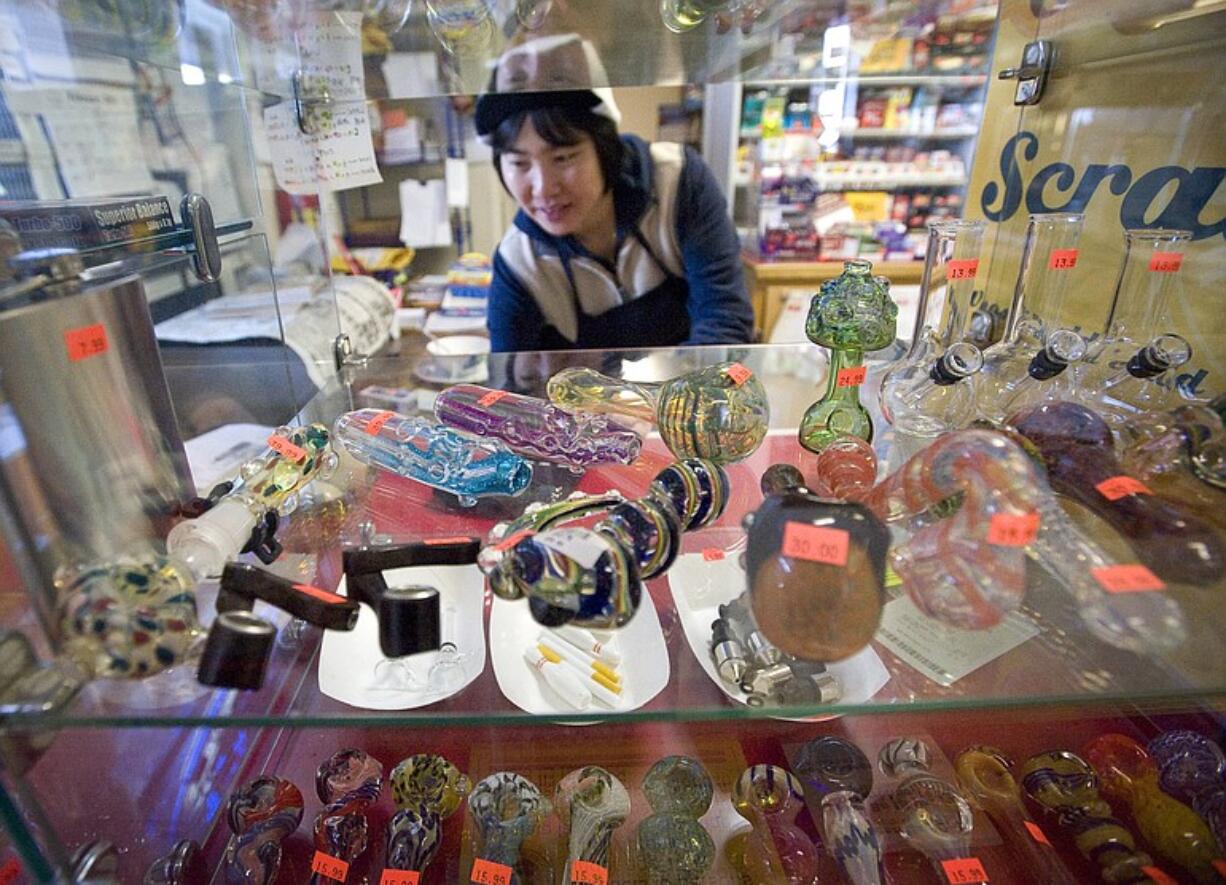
x,y
563,127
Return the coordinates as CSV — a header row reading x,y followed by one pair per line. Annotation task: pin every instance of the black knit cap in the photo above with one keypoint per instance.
x,y
495,107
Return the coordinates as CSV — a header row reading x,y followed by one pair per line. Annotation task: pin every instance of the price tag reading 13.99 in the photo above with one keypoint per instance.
x,y
815,543
486,872
964,871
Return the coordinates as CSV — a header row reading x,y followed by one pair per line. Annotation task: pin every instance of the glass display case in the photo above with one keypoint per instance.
x,y
285,597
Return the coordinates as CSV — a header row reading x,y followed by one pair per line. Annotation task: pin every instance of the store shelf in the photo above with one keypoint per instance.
x,y
855,183
891,134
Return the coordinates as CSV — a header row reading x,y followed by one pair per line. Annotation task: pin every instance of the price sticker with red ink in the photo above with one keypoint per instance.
x,y
964,871
738,373
10,871
850,377
1036,833
442,542
1166,262
1159,876
1219,865
963,269
86,341
584,872
712,554
492,397
400,877
285,448
1127,578
1121,487
375,424
329,867
1062,259
1013,529
486,872
815,543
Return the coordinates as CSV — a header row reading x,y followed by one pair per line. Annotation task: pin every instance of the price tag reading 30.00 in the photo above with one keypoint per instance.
x,y
815,543
486,872
964,871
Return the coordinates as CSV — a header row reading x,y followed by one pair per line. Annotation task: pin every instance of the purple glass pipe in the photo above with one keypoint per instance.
x,y
261,815
536,428
349,782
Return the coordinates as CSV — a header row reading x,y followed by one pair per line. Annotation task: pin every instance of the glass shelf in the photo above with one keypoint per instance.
x,y
1063,663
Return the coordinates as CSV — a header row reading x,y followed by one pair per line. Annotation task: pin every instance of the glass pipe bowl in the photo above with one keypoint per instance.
x,y
430,782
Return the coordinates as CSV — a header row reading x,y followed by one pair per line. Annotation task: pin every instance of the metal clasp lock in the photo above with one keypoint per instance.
x,y
1032,74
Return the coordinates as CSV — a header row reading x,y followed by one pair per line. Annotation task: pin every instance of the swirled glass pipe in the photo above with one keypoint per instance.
x,y
592,803
429,781
1077,448
261,815
347,782
1063,788
1189,764
536,428
845,469
849,315
770,797
850,837
506,809
413,839
432,454
1174,831
984,775
1180,454
673,847
268,483
697,489
719,413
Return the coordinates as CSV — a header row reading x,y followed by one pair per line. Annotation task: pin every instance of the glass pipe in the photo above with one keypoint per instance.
x,y
719,413
931,815
536,428
429,781
432,454
462,27
949,567
1077,448
506,809
1132,389
348,783
1048,257
1064,788
815,571
413,839
845,469
777,850
850,838
697,489
591,803
1046,378
1174,831
183,865
261,815
922,393
1187,763
984,775
674,848
1180,454
1210,804
532,14
834,765
849,315
269,483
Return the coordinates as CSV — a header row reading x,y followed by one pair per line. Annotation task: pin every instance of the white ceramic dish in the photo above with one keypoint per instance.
x,y
699,587
450,371
644,668
347,661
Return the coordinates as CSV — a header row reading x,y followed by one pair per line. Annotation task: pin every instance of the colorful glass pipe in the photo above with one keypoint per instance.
x,y
673,847
413,839
1181,454
1174,831
260,814
1076,446
537,429
719,413
850,837
506,809
1064,788
348,782
816,572
846,469
849,315
984,775
1192,768
591,803
432,454
777,850
429,781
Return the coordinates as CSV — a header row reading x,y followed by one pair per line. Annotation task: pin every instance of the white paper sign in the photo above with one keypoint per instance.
x,y
946,654
424,220
456,173
330,52
411,74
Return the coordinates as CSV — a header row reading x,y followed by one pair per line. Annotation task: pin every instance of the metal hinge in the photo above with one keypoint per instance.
x,y
1032,73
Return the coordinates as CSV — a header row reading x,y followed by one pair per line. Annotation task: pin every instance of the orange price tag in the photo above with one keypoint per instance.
x,y
330,867
1062,259
1121,486
1166,262
850,377
1158,876
1036,832
375,424
492,397
964,871
86,341
963,269
712,554
486,872
738,373
1219,865
508,543
285,448
439,542
815,543
1013,530
587,873
319,593
10,871
400,877
1131,578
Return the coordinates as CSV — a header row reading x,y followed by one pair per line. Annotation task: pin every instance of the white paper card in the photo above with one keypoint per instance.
x,y
410,74
456,171
579,544
330,50
946,654
424,219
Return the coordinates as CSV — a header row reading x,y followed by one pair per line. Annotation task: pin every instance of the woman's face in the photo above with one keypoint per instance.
x,y
560,187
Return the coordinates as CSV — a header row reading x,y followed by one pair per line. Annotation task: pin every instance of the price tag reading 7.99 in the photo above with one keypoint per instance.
x,y
964,871
815,543
486,872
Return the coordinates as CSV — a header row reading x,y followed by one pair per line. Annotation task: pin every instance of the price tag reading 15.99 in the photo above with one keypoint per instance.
x,y
329,867
584,872
964,871
486,872
815,543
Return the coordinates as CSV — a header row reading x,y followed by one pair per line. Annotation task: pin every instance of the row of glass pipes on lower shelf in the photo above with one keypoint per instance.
x,y
1173,791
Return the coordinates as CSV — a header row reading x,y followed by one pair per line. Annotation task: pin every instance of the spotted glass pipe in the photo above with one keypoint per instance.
x,y
261,815
673,847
